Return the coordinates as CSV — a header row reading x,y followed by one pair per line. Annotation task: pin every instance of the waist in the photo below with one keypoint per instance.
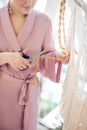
x,y
29,72
22,97
8,76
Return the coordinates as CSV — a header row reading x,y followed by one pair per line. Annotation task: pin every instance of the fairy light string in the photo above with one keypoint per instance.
x,y
38,62
61,25
61,40
61,44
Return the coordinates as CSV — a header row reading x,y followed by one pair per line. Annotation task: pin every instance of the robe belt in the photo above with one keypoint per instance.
x,y
22,97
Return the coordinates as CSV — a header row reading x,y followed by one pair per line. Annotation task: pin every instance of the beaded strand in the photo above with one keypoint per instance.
x,y
61,24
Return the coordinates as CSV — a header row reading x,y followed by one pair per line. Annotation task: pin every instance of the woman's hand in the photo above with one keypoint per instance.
x,y
63,56
66,59
16,60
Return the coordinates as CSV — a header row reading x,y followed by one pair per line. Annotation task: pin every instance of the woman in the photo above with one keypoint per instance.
x,y
23,34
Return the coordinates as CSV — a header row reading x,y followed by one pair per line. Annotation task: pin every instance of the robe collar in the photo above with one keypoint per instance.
x,y
16,41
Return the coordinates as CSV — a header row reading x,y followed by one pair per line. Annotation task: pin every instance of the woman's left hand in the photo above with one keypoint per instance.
x,y
63,56
66,59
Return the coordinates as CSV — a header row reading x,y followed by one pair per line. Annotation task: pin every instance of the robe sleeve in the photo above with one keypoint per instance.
x,y
50,68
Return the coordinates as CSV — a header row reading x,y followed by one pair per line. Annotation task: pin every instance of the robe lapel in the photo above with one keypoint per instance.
x,y
8,30
27,28
16,42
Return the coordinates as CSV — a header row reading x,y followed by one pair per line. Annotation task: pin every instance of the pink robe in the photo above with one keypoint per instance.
x,y
18,98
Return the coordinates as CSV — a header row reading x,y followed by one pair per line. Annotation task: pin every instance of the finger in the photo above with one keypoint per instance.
x,y
26,62
20,68
23,66
60,54
21,61
66,60
67,56
65,53
15,68
21,53
19,65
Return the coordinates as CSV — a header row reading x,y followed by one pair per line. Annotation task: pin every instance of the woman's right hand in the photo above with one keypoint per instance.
x,y
16,60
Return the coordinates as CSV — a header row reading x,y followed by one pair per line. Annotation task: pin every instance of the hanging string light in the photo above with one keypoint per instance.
x,y
61,24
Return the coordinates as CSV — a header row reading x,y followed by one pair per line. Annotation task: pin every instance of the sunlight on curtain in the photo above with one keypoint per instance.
x,y
2,2
40,5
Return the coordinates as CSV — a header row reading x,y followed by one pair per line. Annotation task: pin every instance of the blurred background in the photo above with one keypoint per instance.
x,y
50,97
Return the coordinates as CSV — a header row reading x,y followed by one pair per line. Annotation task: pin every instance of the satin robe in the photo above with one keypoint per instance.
x,y
18,98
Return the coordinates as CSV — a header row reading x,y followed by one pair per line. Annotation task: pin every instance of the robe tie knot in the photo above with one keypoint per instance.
x,y
22,98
